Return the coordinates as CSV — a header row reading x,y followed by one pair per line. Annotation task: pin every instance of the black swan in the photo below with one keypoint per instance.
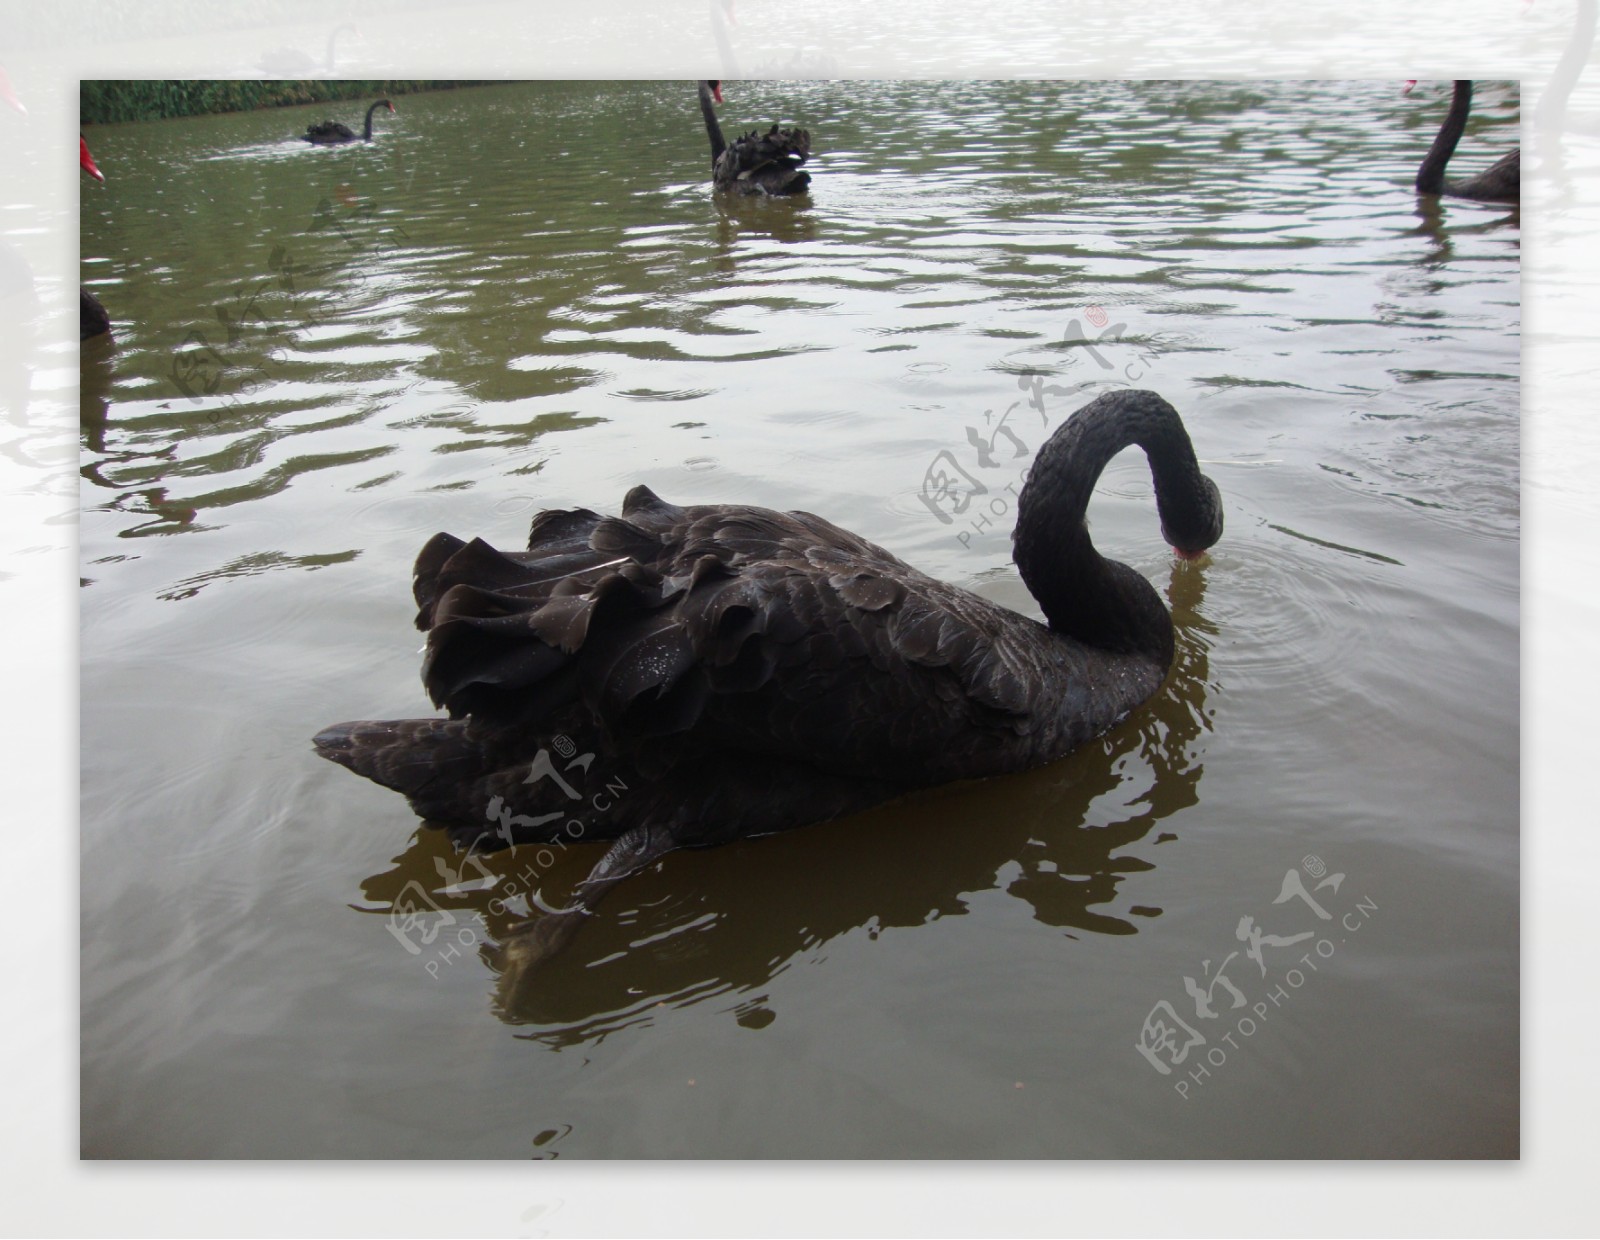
x,y
330,133
92,317
757,163
721,18
1500,182
732,671
1551,113
291,61
798,62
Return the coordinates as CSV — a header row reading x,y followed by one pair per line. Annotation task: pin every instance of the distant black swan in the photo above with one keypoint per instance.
x,y
1500,182
757,163
92,317
291,61
733,671
329,133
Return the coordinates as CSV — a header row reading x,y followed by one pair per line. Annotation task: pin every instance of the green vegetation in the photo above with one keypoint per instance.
x,y
101,103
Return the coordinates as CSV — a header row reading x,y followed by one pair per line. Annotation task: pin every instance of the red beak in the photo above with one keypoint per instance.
x,y
86,161
1410,82
9,95
716,91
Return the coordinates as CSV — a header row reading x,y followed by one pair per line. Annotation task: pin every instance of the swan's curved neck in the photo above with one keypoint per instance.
x,y
1430,177
1553,102
719,32
713,130
382,103
1085,596
333,38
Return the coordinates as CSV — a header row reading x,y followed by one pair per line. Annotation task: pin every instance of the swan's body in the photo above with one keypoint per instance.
x,y
757,163
740,671
331,133
1500,182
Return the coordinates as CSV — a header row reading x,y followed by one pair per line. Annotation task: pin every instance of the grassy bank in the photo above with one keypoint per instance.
x,y
106,102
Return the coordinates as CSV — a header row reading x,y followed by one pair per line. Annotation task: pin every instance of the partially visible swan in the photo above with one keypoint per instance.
x,y
9,95
721,18
732,671
329,133
1551,114
92,317
1500,182
292,62
86,160
756,163
796,62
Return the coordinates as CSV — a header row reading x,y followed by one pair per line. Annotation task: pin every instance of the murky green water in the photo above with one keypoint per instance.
x,y
524,297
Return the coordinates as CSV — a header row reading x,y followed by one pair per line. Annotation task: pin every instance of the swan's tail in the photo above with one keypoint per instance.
x,y
793,145
581,625
766,163
451,779
426,760
487,797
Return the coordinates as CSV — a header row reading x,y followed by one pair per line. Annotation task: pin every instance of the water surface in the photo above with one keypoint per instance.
x,y
524,297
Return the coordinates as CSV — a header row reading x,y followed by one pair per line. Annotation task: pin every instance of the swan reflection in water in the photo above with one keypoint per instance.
x,y
717,925
784,220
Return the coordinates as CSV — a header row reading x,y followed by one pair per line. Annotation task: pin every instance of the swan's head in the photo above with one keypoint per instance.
x,y
1197,530
86,160
716,90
